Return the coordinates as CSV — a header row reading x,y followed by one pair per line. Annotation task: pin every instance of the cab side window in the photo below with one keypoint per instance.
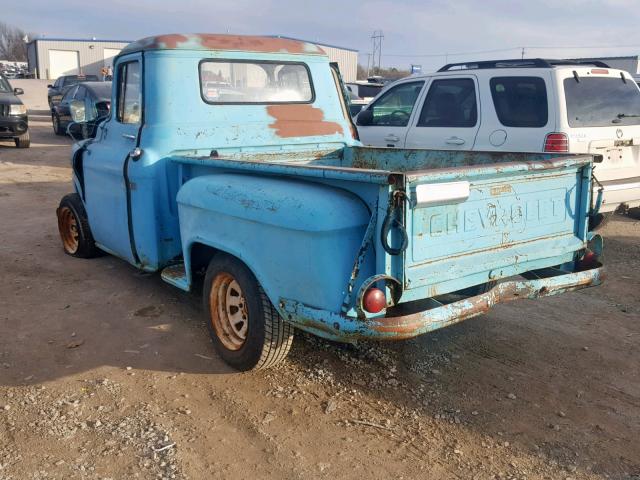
x,y
450,103
394,107
129,93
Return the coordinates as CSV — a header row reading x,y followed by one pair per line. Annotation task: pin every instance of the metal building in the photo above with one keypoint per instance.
x,y
629,64
347,58
50,58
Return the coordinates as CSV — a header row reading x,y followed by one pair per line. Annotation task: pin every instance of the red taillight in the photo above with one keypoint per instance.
x,y
556,142
374,300
601,71
589,259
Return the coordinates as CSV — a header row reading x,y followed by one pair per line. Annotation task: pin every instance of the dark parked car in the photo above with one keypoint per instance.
x,y
14,122
89,101
62,84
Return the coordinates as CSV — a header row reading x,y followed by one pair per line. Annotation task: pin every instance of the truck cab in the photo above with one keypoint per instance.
x,y
230,163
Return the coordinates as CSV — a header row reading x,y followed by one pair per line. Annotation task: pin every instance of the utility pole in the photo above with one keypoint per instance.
x,y
376,39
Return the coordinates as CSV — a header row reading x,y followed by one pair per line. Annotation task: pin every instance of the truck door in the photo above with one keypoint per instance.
x,y
384,122
448,118
107,187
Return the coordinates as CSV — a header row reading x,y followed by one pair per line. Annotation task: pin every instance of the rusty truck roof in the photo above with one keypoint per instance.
x,y
224,42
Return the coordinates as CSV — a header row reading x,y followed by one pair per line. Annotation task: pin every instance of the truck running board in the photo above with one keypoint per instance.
x,y
176,276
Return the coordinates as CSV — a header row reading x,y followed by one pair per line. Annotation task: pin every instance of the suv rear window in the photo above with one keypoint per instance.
x,y
223,81
520,101
602,102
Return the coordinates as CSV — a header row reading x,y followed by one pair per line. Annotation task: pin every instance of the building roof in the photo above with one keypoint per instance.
x,y
225,42
627,57
283,37
87,40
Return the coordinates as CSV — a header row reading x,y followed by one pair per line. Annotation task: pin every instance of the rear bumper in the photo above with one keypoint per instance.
x,y
13,126
625,191
341,328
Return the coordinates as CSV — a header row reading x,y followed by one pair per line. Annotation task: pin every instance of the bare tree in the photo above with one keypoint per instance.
x,y
12,43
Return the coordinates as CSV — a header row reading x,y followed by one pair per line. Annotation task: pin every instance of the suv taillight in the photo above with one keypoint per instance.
x,y
556,142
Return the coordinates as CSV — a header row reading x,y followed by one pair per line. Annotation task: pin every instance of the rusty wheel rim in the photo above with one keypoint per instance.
x,y
68,227
228,311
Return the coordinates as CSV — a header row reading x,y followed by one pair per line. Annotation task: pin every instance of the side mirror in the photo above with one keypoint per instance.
x,y
18,91
103,109
78,111
365,118
49,86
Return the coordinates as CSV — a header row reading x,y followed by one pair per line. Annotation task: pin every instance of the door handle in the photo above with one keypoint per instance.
x,y
135,154
129,136
454,141
392,138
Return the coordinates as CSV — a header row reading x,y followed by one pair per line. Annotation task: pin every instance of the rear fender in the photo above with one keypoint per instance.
x,y
298,238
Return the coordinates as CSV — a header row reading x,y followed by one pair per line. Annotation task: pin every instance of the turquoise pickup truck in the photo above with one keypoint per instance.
x,y
230,163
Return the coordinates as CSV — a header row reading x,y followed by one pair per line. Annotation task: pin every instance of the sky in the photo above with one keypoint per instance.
x,y
424,32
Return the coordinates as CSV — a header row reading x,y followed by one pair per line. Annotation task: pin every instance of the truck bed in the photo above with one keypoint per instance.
x,y
367,158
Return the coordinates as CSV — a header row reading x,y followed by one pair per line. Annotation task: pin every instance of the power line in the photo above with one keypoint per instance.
x,y
497,50
376,40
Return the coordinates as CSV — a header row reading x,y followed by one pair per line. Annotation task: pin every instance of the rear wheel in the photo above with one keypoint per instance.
x,y
73,226
247,332
23,141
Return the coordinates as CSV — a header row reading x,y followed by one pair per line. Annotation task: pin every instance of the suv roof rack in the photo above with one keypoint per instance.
x,y
519,63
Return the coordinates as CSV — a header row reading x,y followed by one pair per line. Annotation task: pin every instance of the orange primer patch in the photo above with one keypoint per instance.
x,y
301,121
253,43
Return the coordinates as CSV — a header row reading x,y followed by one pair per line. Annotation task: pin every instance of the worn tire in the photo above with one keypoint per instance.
x,y
635,213
268,337
23,141
55,122
74,230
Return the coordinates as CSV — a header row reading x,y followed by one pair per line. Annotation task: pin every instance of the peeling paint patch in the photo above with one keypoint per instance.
x,y
212,41
301,121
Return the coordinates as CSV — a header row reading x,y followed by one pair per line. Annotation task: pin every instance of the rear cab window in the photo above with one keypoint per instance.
x,y
601,101
520,101
247,82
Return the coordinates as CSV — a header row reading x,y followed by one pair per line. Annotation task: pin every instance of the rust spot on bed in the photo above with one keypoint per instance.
x,y
301,121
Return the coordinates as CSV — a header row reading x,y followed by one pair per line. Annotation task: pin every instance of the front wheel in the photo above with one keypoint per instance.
x,y
247,332
23,141
57,129
73,226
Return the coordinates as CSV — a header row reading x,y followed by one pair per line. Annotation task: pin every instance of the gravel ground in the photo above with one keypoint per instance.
x,y
108,373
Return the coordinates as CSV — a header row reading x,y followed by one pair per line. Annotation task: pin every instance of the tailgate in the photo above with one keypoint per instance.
x,y
470,225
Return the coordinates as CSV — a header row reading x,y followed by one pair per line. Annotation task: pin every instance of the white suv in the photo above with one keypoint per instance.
x,y
519,106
